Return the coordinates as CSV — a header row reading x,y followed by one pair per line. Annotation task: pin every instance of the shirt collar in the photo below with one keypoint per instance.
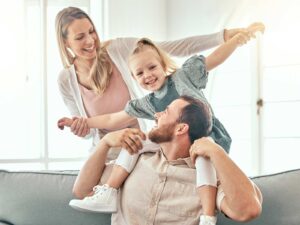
x,y
180,161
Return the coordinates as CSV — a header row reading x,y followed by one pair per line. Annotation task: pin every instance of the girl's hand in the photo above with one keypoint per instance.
x,y
240,39
230,33
61,123
204,147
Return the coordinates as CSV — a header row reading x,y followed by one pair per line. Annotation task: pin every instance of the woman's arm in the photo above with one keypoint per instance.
x,y
78,127
191,45
195,44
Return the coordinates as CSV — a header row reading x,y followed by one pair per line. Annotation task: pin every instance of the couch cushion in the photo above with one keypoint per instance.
x,y
4,223
41,198
281,205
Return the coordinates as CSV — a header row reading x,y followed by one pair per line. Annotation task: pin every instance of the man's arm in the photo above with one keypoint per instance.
x,y
91,172
243,199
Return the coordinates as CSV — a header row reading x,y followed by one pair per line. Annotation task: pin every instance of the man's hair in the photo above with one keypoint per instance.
x,y
197,115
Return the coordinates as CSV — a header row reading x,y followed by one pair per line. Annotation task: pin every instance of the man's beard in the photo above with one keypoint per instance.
x,y
162,134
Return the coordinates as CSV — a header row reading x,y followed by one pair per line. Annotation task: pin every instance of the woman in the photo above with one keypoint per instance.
x,y
96,79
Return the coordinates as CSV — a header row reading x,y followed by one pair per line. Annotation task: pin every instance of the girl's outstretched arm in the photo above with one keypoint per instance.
x,y
108,121
218,56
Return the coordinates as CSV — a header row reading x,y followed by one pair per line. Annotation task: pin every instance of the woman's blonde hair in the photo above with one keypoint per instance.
x,y
167,63
101,69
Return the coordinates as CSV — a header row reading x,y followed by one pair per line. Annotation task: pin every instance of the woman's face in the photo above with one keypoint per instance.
x,y
147,69
82,38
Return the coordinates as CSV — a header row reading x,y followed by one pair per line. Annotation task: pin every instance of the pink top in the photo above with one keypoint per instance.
x,y
113,100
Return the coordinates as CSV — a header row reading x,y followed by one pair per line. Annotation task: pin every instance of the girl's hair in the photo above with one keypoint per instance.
x,y
101,68
167,63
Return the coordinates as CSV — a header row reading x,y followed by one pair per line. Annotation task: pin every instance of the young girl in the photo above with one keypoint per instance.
x,y
156,72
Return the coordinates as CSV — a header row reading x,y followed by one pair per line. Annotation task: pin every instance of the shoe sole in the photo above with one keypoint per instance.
x,y
102,210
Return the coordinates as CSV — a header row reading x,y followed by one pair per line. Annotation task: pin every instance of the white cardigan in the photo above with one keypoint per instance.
x,y
119,50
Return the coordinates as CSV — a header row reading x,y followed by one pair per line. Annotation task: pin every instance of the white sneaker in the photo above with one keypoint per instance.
x,y
104,200
208,220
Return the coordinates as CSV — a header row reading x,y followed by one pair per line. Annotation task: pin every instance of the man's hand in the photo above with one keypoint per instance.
x,y
129,138
204,147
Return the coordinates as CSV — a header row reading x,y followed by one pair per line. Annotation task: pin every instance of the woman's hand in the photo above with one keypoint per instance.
x,y
256,27
80,127
248,32
129,138
230,33
77,125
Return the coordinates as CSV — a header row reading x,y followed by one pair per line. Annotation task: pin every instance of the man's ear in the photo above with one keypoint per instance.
x,y
182,128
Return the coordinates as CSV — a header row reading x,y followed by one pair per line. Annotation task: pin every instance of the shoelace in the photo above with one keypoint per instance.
x,y
98,190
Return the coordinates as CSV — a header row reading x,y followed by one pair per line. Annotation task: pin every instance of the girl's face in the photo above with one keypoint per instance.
x,y
82,39
147,69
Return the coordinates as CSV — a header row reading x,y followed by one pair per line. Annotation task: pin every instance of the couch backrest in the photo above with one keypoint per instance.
x,y
281,205
41,198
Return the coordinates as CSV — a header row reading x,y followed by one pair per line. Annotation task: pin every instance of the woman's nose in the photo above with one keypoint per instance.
x,y
90,39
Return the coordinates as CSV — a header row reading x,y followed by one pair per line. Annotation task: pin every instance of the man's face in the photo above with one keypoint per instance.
x,y
166,122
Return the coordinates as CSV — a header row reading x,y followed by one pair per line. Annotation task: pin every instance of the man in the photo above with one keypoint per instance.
x,y
161,189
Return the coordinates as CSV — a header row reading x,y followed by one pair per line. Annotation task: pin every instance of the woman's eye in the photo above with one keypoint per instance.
x,y
152,67
79,38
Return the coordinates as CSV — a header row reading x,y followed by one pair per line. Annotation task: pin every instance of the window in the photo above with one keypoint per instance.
x,y
230,93
30,100
280,93
266,138
265,72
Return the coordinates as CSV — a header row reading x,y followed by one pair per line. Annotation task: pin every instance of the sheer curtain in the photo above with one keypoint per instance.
x,y
265,139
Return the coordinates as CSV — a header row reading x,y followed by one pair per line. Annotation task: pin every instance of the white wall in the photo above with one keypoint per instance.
x,y
192,17
136,18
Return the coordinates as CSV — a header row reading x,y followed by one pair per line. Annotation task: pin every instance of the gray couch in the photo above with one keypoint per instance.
x,y
41,198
